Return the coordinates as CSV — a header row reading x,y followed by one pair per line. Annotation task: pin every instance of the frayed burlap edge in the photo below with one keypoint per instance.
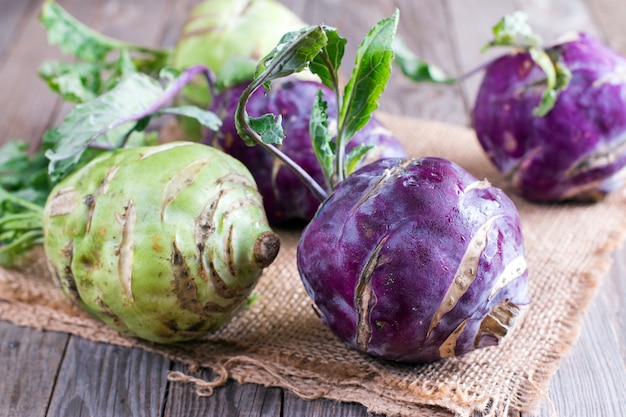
x,y
390,389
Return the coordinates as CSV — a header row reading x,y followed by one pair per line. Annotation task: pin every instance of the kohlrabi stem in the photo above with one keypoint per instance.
x,y
20,227
304,176
341,152
472,72
172,89
277,68
32,207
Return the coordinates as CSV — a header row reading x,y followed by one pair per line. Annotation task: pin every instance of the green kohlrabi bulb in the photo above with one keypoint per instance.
x,y
217,32
163,243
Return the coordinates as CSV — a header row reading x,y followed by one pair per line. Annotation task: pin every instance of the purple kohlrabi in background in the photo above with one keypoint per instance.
x,y
285,196
577,151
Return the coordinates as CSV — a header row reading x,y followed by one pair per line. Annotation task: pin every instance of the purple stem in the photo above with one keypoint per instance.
x,y
174,88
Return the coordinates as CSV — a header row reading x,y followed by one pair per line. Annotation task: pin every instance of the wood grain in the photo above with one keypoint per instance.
x,y
230,400
107,380
53,374
29,362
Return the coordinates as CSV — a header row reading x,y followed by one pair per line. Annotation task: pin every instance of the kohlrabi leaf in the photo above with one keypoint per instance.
x,y
293,53
109,59
321,137
557,79
269,127
513,30
73,81
417,69
20,227
24,175
326,64
321,50
107,121
355,156
24,187
73,37
206,118
82,81
369,77
549,96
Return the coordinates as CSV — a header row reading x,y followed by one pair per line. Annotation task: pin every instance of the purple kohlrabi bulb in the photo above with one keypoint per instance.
x,y
285,196
414,260
577,151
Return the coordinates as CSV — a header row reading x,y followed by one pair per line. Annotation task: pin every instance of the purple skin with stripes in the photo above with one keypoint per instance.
x,y
575,152
414,260
285,196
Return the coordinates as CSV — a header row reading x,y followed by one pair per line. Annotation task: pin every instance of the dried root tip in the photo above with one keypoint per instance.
x,y
266,249
496,325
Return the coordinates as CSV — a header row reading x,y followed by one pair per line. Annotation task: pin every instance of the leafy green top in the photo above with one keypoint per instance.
x,y
115,119
321,49
101,61
24,187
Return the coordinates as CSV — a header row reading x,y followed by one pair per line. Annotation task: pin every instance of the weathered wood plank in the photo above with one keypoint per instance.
x,y
423,27
107,380
470,24
29,362
244,400
11,17
294,406
29,112
591,380
573,15
613,297
609,15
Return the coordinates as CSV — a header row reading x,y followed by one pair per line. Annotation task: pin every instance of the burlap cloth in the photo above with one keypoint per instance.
x,y
279,341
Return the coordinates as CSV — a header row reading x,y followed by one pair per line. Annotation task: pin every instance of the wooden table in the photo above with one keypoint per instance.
x,y
48,373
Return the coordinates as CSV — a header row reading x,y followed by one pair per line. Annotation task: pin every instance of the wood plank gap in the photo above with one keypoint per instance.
x,y
57,373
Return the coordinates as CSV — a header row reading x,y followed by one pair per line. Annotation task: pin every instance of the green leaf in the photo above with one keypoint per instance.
x,y
20,227
108,121
269,127
23,175
369,78
103,122
417,69
204,117
355,156
550,94
101,60
318,47
513,30
293,53
73,81
321,137
326,64
72,36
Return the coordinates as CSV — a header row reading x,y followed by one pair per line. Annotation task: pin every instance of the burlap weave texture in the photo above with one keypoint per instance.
x,y
279,340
